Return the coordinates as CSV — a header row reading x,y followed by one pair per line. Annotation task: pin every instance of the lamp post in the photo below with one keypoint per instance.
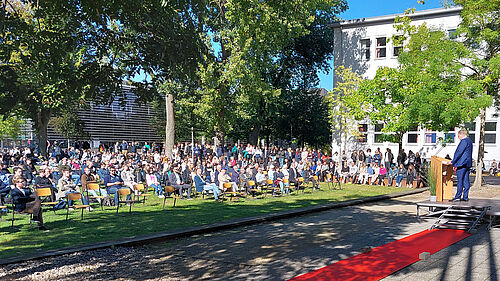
x,y
192,144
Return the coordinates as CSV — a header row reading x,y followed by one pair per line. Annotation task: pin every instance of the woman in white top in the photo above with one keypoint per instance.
x,y
152,181
376,172
128,177
363,174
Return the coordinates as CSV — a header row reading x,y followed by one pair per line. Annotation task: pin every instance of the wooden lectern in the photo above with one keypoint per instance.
x,y
442,173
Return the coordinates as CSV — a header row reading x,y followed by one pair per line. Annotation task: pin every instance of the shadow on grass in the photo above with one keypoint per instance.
x,y
270,251
100,226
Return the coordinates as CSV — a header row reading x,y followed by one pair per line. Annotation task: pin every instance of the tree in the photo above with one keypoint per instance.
x,y
301,110
428,87
163,41
246,39
53,57
10,127
480,31
69,125
340,117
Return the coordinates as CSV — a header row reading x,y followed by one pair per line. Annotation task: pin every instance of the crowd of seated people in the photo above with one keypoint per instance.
x,y
242,169
382,168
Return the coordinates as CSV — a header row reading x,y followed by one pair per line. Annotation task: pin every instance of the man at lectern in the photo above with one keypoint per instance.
x,y
462,162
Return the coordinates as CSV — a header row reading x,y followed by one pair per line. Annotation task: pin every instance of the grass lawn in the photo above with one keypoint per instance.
x,y
104,225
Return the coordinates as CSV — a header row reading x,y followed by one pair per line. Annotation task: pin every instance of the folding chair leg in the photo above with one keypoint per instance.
x,y
82,213
164,199
67,212
175,199
117,206
13,217
130,208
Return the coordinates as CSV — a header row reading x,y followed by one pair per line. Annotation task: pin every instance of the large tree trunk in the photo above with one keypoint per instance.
x,y
42,121
220,135
254,137
400,142
480,153
169,125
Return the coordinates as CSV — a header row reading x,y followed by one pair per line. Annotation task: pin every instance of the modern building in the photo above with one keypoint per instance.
x,y
363,45
122,119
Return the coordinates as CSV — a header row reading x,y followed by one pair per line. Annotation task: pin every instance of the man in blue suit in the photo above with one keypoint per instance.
x,y
201,185
462,162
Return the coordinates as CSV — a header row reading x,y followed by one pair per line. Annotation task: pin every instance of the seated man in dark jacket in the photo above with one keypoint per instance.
x,y
26,202
44,179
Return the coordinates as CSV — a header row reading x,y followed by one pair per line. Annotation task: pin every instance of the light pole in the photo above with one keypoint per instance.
x,y
192,144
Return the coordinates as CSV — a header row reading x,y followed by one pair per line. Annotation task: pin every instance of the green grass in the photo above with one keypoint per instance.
x,y
104,225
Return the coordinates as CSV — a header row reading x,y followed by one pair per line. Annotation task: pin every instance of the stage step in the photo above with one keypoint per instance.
x,y
460,217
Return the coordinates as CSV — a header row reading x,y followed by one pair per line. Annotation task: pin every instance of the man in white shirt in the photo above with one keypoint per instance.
x,y
260,178
225,178
353,172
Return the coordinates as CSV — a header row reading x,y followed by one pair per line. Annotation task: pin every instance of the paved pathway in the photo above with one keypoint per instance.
x,y
276,251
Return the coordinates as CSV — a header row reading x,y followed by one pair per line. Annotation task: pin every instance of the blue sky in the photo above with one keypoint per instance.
x,y
364,8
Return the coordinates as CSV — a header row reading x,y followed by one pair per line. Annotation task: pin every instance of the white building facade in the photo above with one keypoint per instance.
x,y
363,45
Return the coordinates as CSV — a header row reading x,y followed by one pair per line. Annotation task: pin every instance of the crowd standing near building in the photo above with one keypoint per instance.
x,y
243,169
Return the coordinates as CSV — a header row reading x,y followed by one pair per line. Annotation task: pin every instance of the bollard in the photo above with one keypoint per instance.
x,y
424,256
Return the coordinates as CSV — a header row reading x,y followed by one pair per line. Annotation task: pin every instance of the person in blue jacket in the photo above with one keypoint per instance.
x,y
462,162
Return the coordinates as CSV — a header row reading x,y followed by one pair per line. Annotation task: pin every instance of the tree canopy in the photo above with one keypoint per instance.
x,y
428,88
53,57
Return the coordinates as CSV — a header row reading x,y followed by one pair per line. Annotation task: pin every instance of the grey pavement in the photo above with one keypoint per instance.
x,y
277,250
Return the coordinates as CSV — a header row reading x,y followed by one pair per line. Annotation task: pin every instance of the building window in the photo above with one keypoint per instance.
x,y
470,126
490,135
412,138
490,126
449,137
472,137
378,133
397,45
452,34
363,128
381,44
430,137
365,49
471,129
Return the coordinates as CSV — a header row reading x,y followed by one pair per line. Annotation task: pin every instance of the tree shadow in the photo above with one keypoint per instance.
x,y
272,251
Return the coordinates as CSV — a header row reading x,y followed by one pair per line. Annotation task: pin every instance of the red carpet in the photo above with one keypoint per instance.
x,y
387,259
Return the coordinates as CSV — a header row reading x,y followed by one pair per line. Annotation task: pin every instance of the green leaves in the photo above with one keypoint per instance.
x,y
427,89
10,127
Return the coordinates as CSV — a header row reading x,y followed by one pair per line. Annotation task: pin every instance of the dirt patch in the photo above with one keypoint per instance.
x,y
487,191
